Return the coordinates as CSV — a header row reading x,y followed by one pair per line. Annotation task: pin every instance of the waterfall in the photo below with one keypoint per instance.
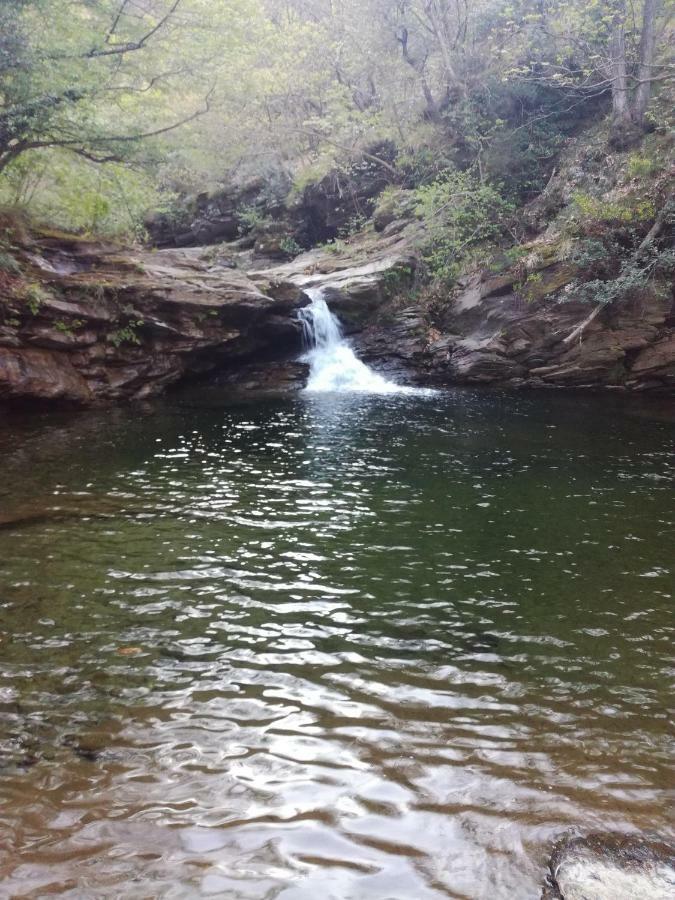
x,y
333,365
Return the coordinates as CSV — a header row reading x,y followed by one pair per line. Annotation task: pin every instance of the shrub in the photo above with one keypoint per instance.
x,y
34,296
642,166
126,334
459,213
624,212
623,275
290,246
355,224
251,218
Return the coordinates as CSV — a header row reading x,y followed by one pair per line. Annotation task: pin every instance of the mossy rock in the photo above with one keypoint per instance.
x,y
392,205
541,284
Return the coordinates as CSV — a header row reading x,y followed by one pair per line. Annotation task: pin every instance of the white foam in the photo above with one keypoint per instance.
x,y
333,365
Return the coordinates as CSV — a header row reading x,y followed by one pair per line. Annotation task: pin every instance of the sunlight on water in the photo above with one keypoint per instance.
x,y
341,646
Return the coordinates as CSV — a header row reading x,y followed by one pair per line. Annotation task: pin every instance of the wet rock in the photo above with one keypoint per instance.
x,y
274,377
95,746
119,326
611,867
40,375
358,278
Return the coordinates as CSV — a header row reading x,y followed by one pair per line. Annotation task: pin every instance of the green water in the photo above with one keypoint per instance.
x,y
340,647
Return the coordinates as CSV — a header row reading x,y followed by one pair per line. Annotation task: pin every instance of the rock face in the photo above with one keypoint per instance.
x,y
527,319
611,867
220,216
327,207
492,332
320,212
84,323
358,279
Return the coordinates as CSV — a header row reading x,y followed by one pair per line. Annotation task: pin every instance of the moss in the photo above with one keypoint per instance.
x,y
541,284
627,210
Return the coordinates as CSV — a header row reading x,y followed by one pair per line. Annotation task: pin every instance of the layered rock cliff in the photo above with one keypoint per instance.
x,y
585,299
82,322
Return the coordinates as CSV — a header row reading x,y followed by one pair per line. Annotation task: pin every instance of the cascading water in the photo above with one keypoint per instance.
x,y
333,365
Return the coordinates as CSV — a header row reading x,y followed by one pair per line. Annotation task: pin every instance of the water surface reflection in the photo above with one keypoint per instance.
x,y
350,647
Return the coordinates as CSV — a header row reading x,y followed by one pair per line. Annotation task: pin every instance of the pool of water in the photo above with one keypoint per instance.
x,y
385,648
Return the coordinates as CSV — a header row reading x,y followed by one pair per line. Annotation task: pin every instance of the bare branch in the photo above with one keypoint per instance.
x,y
116,21
131,46
104,153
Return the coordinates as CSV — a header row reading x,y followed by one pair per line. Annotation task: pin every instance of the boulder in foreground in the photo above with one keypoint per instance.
x,y
611,867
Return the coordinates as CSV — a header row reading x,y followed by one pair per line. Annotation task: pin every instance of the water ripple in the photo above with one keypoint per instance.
x,y
363,647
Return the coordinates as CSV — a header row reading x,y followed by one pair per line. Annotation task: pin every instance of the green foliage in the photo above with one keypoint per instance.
x,y
528,288
80,196
423,163
618,264
621,212
68,328
459,213
35,296
90,92
355,225
642,166
252,218
126,334
290,246
337,246
630,282
397,280
8,262
595,257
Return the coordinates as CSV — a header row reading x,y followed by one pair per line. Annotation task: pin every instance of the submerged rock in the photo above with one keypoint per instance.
x,y
611,867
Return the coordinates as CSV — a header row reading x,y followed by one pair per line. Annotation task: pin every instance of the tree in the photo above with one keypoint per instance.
x,y
75,77
603,46
194,92
629,107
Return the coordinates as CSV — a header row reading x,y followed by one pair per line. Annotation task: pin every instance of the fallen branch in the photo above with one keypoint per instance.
x,y
660,221
579,330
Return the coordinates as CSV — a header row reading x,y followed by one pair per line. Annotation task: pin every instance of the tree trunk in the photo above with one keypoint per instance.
x,y
623,132
432,112
618,74
646,67
439,27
